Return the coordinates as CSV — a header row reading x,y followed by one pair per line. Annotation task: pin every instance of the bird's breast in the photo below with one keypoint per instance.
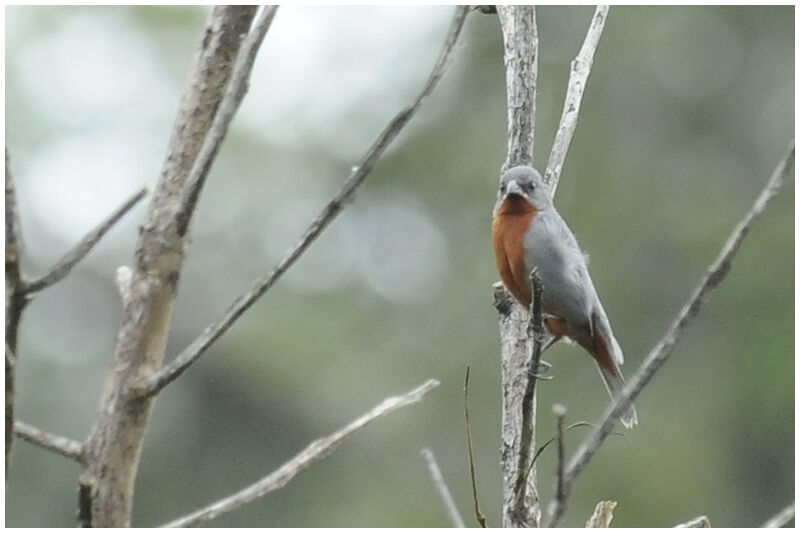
x,y
509,227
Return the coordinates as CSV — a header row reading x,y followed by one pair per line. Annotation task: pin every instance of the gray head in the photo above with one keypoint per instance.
x,y
526,182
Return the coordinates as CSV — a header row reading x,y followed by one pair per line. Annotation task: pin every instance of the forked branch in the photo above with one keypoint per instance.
x,y
152,385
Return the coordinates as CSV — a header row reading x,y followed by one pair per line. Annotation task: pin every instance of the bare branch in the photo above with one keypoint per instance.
x,y
603,514
659,354
782,518
315,451
515,356
579,72
16,300
13,233
521,57
699,521
560,411
10,367
478,514
152,385
441,488
523,513
65,265
231,100
115,442
69,448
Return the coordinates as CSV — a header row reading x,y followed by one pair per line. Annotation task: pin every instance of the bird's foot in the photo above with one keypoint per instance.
x,y
541,370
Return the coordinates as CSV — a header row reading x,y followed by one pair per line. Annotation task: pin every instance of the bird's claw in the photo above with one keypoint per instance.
x,y
541,370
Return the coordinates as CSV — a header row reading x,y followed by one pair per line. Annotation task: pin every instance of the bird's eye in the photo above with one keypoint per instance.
x,y
503,188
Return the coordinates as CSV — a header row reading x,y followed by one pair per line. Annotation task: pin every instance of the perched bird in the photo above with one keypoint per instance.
x,y
528,233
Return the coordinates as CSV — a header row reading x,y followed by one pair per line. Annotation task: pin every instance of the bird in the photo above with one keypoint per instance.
x,y
528,233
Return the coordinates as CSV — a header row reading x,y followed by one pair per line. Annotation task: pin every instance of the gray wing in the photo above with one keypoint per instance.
x,y
568,288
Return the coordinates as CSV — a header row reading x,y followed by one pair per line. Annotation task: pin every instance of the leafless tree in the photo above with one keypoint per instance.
x,y
218,82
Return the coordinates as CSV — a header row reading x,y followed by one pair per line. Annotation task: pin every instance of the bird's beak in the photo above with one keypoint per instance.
x,y
514,188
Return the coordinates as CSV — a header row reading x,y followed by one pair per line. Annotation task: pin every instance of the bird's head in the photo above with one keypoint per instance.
x,y
522,187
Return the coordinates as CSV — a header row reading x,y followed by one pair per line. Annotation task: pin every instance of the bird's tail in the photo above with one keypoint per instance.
x,y
615,383
608,356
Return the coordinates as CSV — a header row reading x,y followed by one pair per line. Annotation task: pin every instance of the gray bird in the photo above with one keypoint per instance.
x,y
528,233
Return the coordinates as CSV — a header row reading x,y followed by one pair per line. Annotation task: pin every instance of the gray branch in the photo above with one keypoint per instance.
x,y
521,57
16,300
661,352
231,100
115,443
69,448
782,518
153,384
315,451
441,488
65,265
520,502
579,72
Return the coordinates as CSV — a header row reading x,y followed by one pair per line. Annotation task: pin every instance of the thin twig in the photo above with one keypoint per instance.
x,y
231,100
536,334
782,518
478,514
661,352
65,265
603,514
560,411
441,488
698,521
69,448
579,72
315,451
171,371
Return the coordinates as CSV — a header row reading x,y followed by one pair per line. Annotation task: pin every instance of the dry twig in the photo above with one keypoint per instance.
x,y
478,514
231,100
579,72
69,448
315,451
65,265
441,488
661,352
536,335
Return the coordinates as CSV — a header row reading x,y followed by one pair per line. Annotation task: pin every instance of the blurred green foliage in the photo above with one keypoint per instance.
x,y
686,113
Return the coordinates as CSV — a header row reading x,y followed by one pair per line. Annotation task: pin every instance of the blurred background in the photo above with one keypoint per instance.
x,y
686,113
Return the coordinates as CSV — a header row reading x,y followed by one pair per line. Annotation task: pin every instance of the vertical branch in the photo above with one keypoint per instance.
x,y
115,443
518,24
521,57
16,300
536,338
